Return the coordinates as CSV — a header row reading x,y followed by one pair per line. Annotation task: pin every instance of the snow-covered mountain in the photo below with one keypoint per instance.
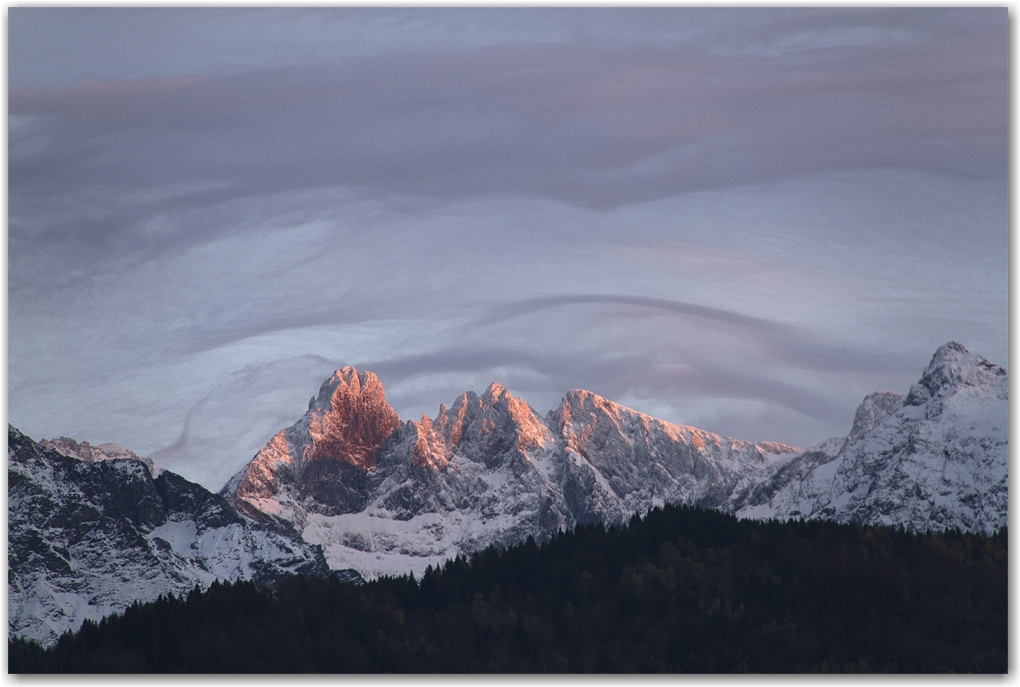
x,y
89,536
936,459
382,496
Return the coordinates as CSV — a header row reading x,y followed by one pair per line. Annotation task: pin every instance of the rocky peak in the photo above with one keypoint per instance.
x,y
573,405
451,422
953,369
469,422
584,407
495,419
343,430
582,398
953,366
350,419
872,410
588,424
531,431
93,454
430,448
938,460
494,394
347,381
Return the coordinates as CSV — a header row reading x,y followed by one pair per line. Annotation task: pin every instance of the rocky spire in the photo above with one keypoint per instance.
x,y
350,419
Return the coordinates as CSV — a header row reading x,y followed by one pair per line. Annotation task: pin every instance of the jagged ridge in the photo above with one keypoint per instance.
x,y
486,470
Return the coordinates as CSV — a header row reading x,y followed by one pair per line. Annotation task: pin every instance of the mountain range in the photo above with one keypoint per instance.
x,y
350,487
386,497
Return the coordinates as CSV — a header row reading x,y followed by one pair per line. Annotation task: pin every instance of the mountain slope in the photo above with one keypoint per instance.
x,y
86,539
936,459
385,497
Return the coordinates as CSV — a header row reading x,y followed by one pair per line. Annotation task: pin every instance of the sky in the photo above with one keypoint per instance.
x,y
739,219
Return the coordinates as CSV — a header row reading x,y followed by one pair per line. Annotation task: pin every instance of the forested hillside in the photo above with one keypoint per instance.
x,y
680,590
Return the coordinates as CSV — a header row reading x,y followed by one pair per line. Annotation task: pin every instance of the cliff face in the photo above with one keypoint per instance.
x,y
349,420
326,453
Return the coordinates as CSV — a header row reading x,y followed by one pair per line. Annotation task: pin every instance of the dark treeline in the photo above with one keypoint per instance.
x,y
680,590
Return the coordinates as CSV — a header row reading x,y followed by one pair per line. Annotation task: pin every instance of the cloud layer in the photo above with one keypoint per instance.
x,y
746,219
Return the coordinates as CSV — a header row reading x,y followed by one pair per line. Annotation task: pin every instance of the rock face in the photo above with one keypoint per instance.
x,y
937,459
384,497
88,537
331,449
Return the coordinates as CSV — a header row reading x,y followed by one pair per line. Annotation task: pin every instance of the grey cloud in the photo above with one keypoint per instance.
x,y
586,121
518,308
